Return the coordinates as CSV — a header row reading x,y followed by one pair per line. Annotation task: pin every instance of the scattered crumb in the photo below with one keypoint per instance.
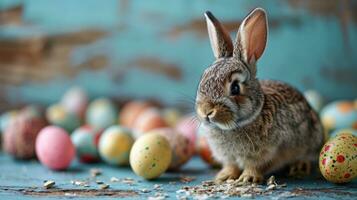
x,y
80,183
230,188
157,187
99,182
114,179
48,184
103,186
95,172
145,190
187,179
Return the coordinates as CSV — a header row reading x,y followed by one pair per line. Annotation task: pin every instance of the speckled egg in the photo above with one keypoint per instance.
x,y
172,116
85,140
149,120
188,126
150,156
130,112
315,99
21,132
203,149
54,148
338,158
58,115
340,131
115,144
180,145
339,114
101,113
75,100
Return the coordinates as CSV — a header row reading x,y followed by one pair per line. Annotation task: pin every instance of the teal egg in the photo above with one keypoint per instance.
x,y
85,139
315,99
101,113
339,115
57,115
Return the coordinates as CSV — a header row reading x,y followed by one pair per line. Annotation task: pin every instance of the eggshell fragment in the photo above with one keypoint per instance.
x,y
181,149
115,144
85,140
54,148
338,158
150,156
101,113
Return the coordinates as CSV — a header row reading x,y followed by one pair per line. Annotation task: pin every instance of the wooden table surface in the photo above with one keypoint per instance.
x,y
24,180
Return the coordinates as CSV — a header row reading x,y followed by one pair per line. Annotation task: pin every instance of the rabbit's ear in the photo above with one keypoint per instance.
x,y
221,42
252,36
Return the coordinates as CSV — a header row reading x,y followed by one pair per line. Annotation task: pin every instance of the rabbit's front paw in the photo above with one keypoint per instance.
x,y
251,176
300,169
228,172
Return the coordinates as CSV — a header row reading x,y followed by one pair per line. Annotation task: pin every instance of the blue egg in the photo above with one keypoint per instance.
x,y
339,115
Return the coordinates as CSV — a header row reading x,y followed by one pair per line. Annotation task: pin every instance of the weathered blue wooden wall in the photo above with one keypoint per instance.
x,y
160,48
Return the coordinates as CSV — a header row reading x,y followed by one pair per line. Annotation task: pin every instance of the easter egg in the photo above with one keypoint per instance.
x,y
338,158
20,134
172,116
58,115
203,149
115,144
131,111
5,119
149,120
54,148
188,127
315,99
101,113
150,156
85,140
338,115
180,146
75,100
340,131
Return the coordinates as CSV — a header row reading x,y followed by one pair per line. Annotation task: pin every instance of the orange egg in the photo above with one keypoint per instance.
x,y
131,111
148,120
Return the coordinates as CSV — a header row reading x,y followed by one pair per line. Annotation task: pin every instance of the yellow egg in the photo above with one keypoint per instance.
x,y
338,158
150,156
115,144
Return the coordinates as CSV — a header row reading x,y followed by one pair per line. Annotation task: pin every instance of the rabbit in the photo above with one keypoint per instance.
x,y
253,127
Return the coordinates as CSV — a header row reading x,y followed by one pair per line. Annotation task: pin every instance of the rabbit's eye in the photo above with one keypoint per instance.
x,y
235,90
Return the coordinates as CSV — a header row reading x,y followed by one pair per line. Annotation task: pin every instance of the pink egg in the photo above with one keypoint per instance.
x,y
54,148
188,126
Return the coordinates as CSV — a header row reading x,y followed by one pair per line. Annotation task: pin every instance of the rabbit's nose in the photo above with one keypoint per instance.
x,y
210,114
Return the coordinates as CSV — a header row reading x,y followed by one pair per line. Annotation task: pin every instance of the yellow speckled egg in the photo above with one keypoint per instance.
x,y
180,145
150,155
115,144
338,158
